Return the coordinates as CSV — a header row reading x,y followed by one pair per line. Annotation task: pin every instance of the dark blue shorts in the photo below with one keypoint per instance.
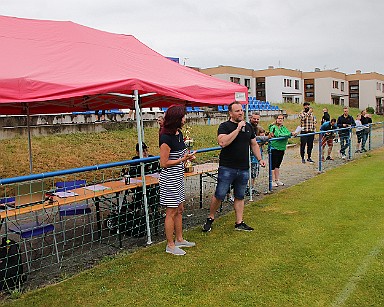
x,y
226,177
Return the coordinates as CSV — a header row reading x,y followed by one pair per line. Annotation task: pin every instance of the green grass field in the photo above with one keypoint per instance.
x,y
319,243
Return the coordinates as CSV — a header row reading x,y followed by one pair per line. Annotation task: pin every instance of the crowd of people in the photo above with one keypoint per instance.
x,y
241,154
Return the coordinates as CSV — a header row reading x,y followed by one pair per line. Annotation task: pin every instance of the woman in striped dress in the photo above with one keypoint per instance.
x,y
173,155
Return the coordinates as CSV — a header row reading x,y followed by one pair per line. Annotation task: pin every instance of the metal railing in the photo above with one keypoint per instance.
x,y
53,239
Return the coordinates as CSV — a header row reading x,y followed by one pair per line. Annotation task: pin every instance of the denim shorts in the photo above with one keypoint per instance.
x,y
226,177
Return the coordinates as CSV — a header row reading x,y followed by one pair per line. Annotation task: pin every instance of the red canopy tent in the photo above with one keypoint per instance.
x,y
54,66
59,66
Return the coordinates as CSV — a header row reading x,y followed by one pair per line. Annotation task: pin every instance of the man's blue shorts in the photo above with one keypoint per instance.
x,y
226,177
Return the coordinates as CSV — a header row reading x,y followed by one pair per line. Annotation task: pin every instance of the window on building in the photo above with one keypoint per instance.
x,y
309,94
235,80
309,86
341,101
354,88
260,93
247,83
335,84
287,83
354,95
297,84
297,100
260,84
342,86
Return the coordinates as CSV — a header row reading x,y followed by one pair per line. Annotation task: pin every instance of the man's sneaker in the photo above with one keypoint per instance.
x,y
310,160
208,225
185,243
358,151
242,226
279,182
363,150
303,161
329,158
343,157
274,184
177,251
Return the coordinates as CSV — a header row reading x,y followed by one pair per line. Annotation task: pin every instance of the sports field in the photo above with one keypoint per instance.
x,y
319,243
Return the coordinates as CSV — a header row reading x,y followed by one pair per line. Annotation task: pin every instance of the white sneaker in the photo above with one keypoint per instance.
x,y
177,251
343,157
274,184
185,243
279,182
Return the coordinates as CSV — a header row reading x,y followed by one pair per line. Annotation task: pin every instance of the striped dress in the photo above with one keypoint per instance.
x,y
171,181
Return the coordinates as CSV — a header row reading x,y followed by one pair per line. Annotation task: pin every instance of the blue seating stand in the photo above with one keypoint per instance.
x,y
81,208
30,230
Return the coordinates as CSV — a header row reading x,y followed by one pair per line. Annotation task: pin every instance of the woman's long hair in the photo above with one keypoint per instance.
x,y
172,119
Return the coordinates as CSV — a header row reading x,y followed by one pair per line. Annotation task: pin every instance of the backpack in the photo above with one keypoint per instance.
x,y
129,222
11,265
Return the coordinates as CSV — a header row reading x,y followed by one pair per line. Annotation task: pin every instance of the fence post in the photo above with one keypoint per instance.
x,y
370,135
349,143
320,151
270,166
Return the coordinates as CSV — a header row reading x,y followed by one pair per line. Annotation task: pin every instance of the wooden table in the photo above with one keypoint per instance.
x,y
111,187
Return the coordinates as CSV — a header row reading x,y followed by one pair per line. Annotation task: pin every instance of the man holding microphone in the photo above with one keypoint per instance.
x,y
235,136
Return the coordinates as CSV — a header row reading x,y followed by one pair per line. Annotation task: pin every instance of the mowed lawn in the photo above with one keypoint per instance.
x,y
319,243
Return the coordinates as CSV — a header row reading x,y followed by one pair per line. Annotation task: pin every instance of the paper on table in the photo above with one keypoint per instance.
x,y
155,175
65,194
96,187
134,180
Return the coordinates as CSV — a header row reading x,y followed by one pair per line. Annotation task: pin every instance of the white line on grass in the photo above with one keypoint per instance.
x,y
361,270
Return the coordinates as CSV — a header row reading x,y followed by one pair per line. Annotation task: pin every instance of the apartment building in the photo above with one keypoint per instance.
x,y
278,85
327,87
236,75
366,90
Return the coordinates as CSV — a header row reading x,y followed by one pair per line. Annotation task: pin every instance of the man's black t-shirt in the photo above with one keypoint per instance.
x,y
236,154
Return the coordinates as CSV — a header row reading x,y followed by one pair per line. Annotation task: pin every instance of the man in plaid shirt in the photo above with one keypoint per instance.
x,y
307,124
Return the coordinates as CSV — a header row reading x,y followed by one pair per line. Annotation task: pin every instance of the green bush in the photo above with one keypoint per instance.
x,y
370,110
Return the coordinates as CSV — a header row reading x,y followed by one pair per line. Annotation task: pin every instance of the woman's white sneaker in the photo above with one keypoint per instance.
x,y
177,251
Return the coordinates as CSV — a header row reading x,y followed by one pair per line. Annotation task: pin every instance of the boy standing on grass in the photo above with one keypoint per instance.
x,y
328,137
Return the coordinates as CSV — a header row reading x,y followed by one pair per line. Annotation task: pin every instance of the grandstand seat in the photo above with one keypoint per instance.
x,y
81,208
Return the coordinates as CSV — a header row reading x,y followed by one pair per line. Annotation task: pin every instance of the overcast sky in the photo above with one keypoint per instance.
x,y
345,35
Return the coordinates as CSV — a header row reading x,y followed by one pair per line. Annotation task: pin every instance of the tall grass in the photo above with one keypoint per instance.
x,y
57,152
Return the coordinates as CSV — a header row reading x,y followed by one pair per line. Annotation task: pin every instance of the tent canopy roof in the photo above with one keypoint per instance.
x,y
60,66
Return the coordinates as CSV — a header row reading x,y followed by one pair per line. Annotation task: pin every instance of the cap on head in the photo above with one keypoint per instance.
x,y
144,146
306,104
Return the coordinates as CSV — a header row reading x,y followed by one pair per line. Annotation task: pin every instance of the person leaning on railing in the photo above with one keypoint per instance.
x,y
327,137
278,147
345,121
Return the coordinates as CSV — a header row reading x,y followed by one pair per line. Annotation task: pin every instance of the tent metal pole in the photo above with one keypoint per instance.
x,y
29,141
250,187
140,133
